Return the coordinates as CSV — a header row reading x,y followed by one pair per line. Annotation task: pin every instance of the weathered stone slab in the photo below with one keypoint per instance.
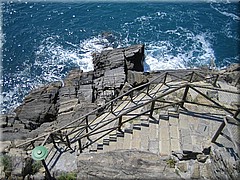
x,y
124,165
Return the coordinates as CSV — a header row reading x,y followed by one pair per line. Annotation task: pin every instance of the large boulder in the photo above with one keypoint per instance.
x,y
40,105
111,70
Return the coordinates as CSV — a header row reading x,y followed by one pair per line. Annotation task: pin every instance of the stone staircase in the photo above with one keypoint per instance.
x,y
166,131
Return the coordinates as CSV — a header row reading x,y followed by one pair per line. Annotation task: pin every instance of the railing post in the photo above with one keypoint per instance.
x,y
215,81
131,96
236,114
165,78
152,109
191,78
120,123
68,142
111,106
87,124
54,143
218,132
32,143
148,88
184,95
80,145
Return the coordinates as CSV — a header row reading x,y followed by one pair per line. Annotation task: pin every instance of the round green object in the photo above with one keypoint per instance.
x,y
39,153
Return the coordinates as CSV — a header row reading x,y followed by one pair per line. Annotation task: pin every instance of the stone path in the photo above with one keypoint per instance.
x,y
172,130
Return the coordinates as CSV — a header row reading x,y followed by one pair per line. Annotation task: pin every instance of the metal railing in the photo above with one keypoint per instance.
x,y
86,131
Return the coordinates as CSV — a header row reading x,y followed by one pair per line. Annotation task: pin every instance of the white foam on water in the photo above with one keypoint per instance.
x,y
52,62
194,51
225,13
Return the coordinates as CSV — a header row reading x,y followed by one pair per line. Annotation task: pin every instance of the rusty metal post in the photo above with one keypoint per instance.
x,y
32,143
111,106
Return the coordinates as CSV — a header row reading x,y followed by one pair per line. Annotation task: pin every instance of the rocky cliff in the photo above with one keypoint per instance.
x,y
58,103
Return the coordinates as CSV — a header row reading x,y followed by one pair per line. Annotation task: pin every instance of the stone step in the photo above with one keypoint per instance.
x,y
174,134
136,139
97,123
132,130
144,136
164,138
121,106
127,142
153,145
120,140
112,141
186,140
197,125
147,95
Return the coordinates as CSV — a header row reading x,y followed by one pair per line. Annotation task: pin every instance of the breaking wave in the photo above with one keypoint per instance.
x,y
52,62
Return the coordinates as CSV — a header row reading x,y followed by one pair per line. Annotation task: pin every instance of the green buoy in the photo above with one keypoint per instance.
x,y
39,153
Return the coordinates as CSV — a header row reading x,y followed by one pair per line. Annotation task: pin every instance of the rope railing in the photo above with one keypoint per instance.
x,y
85,129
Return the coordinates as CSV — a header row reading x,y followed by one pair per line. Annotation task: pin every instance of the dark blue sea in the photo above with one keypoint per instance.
x,y
42,41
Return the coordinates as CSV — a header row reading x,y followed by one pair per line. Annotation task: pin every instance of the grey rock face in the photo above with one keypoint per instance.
x,y
111,70
40,105
124,164
79,93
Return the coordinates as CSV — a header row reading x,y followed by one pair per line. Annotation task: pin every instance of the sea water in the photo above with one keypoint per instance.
x,y
42,40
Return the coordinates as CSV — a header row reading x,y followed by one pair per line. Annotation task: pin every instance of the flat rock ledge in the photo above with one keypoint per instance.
x,y
124,164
